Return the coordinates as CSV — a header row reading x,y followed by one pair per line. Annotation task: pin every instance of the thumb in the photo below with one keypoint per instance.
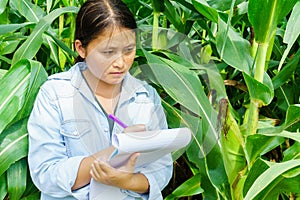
x,y
132,161
135,128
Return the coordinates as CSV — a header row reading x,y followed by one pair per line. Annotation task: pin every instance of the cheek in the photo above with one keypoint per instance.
x,y
129,60
96,64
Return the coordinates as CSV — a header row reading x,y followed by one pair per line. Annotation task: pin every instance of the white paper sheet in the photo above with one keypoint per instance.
x,y
151,145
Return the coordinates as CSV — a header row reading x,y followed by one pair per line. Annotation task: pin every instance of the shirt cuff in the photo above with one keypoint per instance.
x,y
154,190
67,175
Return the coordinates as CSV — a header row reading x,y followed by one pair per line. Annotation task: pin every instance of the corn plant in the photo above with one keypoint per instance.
x,y
245,120
226,69
32,43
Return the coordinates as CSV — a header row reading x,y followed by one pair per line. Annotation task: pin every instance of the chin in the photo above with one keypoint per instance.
x,y
115,82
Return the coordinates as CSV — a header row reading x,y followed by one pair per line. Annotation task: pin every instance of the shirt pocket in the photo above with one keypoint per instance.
x,y
141,110
76,136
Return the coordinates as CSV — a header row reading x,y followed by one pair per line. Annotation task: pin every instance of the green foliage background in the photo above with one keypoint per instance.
x,y
229,70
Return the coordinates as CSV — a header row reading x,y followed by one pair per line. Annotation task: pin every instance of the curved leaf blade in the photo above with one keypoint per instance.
x,y
16,179
232,143
223,5
265,15
3,4
267,177
11,99
292,122
206,10
14,145
31,46
9,28
189,188
237,52
3,186
291,33
27,9
264,92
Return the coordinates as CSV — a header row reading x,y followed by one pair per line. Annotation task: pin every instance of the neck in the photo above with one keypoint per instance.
x,y
100,88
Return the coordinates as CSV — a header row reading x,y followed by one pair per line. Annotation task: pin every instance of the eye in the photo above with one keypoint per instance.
x,y
108,52
129,50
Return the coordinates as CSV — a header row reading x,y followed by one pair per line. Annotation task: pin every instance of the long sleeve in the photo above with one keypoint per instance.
x,y
52,171
159,172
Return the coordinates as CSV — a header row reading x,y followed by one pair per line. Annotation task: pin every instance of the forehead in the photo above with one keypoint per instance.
x,y
115,37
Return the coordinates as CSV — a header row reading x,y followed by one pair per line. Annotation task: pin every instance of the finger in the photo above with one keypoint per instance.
x,y
135,128
131,162
95,173
104,167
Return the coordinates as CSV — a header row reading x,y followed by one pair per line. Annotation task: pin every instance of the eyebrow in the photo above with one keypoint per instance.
x,y
116,47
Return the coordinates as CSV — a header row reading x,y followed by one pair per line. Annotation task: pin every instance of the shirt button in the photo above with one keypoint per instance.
x,y
106,130
76,133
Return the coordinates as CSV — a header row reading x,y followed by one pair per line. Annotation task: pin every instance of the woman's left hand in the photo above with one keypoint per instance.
x,y
123,177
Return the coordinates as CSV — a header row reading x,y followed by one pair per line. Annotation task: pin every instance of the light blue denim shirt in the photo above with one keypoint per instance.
x,y
67,124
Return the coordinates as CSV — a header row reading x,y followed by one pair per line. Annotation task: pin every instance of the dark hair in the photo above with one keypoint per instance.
x,y
95,16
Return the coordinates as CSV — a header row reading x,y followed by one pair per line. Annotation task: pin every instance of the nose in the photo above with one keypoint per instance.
x,y
119,61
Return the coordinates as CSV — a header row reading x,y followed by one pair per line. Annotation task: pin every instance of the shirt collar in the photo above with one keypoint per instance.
x,y
131,86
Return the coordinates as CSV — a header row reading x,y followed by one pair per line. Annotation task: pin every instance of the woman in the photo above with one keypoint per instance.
x,y
69,129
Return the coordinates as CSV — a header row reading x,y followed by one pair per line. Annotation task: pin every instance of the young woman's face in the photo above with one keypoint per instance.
x,y
111,54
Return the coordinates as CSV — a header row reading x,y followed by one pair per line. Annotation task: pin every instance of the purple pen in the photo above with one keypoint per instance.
x,y
118,121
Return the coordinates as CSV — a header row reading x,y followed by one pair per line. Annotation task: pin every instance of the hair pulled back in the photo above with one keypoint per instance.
x,y
95,16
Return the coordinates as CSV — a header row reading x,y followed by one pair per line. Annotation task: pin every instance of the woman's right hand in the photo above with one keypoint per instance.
x,y
135,128
123,177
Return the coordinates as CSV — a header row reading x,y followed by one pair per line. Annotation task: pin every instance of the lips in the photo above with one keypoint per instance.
x,y
116,73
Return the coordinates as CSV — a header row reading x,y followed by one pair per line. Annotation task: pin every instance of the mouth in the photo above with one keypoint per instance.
x,y
116,73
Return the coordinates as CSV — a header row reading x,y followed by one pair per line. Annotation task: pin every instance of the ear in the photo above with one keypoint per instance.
x,y
79,48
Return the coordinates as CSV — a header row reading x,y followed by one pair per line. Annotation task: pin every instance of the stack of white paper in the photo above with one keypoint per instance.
x,y
151,145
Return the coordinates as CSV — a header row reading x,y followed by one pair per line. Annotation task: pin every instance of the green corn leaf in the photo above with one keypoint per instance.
x,y
9,28
17,99
292,153
259,144
237,49
3,186
31,190
32,196
285,74
61,44
265,183
223,5
38,76
3,4
291,34
179,83
157,5
285,134
8,47
292,122
171,13
215,82
263,92
2,72
30,11
264,15
185,88
11,99
49,5
16,179
204,9
33,43
232,143
53,49
256,170
14,145
189,188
